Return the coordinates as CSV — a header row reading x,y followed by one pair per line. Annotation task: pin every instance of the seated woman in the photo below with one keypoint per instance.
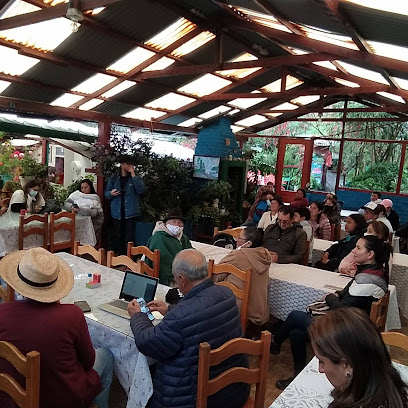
x,y
355,227
331,210
169,239
369,284
345,342
319,222
257,258
300,200
72,372
29,199
348,266
85,201
270,217
259,207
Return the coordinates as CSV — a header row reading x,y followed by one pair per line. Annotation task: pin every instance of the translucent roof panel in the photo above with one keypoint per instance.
x,y
205,85
363,72
251,120
245,103
190,122
131,60
193,44
305,100
273,114
13,63
91,104
240,73
298,51
171,34
54,2
402,83
391,96
96,11
4,85
346,83
236,129
291,82
118,89
94,83
328,37
261,18
66,100
326,64
144,114
160,64
170,101
392,6
18,7
214,112
388,50
285,106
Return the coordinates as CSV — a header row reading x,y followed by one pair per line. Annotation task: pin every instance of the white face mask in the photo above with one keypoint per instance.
x,y
174,229
33,193
268,202
367,233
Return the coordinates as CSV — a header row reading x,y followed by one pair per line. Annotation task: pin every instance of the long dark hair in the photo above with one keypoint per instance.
x,y
348,335
90,184
30,184
319,205
361,224
382,251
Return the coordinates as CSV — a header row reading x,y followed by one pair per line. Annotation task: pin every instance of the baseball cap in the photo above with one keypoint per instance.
x,y
387,203
371,206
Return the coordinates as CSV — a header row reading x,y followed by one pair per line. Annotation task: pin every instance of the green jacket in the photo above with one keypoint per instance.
x,y
169,247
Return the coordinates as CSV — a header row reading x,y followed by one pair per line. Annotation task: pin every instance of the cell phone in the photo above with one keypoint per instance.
x,y
144,308
83,305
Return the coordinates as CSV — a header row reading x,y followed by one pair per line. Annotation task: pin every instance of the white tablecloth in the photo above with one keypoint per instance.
x,y
311,389
111,331
9,222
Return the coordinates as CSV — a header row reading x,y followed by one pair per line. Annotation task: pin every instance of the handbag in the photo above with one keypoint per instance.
x,y
317,308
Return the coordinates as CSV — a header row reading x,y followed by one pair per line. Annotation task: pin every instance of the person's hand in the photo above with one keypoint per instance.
x,y
75,209
115,192
37,208
325,258
158,306
274,256
131,170
133,307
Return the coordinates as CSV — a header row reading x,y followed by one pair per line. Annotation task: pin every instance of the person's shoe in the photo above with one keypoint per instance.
x,y
282,384
275,348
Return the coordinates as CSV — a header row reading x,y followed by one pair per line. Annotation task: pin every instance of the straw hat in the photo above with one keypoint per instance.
x,y
37,274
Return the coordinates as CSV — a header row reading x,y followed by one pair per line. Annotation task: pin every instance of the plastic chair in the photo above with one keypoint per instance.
x,y
258,376
242,294
29,367
122,260
98,255
379,310
41,229
54,227
154,256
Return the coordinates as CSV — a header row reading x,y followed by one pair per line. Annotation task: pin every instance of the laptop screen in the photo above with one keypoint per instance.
x,y
136,285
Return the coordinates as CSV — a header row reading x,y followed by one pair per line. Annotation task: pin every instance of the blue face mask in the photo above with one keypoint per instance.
x,y
33,193
268,202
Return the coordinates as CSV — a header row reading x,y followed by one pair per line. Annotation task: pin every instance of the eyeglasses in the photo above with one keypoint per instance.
x,y
284,222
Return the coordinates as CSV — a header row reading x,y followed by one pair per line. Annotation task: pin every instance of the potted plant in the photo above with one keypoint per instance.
x,y
8,162
29,168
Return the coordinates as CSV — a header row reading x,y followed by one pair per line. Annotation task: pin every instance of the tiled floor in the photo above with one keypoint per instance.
x,y
280,366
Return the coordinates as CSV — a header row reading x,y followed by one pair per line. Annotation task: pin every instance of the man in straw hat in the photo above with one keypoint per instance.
x,y
72,373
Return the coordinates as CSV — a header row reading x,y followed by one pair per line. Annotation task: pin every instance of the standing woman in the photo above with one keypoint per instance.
x,y
319,222
355,360
270,217
29,199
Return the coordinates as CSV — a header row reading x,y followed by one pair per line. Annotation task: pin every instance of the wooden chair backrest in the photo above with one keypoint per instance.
x,y
121,260
54,227
379,310
7,293
208,358
395,339
154,256
335,232
242,275
37,229
234,232
305,260
29,367
98,255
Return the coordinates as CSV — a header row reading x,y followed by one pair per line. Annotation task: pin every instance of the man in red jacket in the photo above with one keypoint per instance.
x,y
72,373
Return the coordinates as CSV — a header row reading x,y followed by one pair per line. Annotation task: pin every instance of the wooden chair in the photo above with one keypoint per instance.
x,y
41,229
6,293
379,310
99,256
29,367
54,227
258,375
234,232
122,260
6,202
153,256
242,294
335,232
395,339
305,260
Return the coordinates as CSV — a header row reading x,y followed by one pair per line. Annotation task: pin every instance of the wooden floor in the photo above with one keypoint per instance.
x,y
280,366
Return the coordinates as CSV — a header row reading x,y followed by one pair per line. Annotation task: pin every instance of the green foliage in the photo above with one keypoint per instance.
x,y
212,190
381,177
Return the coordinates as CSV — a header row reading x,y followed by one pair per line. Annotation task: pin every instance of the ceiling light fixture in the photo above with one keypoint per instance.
x,y
74,14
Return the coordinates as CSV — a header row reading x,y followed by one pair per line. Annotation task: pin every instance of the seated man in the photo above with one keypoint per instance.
x,y
302,216
207,312
286,240
391,215
374,198
169,239
376,212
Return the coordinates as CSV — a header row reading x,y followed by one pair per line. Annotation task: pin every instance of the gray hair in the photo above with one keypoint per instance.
x,y
190,263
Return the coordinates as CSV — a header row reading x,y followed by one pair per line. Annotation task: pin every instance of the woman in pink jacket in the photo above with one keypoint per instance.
x,y
319,222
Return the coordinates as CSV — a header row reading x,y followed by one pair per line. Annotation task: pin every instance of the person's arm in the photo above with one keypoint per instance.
x,y
84,347
69,204
299,250
262,222
109,188
17,207
326,230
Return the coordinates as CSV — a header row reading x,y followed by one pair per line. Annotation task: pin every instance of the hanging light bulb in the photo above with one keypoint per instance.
x,y
74,14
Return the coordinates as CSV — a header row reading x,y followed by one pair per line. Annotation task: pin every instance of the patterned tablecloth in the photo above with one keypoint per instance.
x,y
9,222
111,331
311,389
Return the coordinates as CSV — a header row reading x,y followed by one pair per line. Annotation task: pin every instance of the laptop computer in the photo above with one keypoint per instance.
x,y
135,285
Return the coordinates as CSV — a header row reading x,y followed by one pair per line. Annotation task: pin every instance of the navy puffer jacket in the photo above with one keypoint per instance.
x,y
207,313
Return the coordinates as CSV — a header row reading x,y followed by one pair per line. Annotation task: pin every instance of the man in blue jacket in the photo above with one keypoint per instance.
x,y
123,190
207,312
